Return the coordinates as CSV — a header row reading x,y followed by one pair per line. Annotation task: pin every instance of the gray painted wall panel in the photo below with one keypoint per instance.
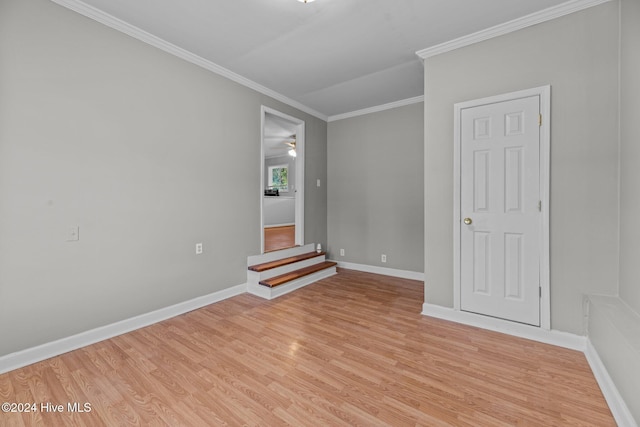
x,y
376,188
133,145
630,155
577,55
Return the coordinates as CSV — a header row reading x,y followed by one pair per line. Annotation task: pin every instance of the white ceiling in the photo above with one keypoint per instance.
x,y
333,56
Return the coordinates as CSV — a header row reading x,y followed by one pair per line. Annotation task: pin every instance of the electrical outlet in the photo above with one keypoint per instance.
x,y
341,252
383,258
199,248
73,234
317,183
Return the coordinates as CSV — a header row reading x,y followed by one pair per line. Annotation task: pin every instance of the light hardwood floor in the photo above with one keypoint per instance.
x,y
279,238
352,349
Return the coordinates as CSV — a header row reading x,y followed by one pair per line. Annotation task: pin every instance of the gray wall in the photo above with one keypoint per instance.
x,y
376,187
578,56
133,145
630,155
627,375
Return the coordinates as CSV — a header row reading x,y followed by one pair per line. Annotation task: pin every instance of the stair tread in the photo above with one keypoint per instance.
x,y
285,261
296,274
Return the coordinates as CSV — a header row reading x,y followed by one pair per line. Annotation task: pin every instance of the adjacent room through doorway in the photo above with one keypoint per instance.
x,y
282,181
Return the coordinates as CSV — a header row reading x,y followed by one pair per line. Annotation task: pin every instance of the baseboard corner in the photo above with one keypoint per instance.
x,y
617,405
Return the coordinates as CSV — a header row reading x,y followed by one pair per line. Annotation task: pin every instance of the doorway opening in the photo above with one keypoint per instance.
x,y
281,181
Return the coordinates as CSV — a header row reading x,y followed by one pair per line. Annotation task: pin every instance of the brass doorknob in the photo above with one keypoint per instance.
x,y
468,221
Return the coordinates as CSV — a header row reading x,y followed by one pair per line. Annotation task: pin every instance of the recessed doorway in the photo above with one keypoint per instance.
x,y
281,181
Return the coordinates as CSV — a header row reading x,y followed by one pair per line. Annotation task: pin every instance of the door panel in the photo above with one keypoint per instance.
x,y
500,192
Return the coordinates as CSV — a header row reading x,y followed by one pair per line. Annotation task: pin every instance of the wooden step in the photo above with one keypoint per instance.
x,y
285,261
288,277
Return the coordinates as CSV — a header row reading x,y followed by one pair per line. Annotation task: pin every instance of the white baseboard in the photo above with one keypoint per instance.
x,y
616,404
403,274
559,338
55,348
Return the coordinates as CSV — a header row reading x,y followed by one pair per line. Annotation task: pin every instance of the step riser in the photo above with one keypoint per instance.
x,y
271,293
273,272
285,253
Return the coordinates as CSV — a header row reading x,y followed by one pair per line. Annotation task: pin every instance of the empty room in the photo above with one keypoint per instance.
x,y
321,212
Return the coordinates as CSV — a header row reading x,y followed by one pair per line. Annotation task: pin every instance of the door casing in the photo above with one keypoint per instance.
x,y
544,92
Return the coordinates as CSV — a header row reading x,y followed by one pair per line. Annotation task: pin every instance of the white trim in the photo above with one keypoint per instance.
x,y
510,26
544,92
553,337
299,161
300,180
403,274
137,33
55,348
545,197
263,117
619,159
457,137
618,407
377,108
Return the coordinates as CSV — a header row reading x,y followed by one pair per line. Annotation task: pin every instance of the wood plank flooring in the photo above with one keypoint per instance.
x,y
349,350
276,238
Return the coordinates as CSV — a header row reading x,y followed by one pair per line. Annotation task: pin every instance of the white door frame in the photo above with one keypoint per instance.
x,y
544,92
299,202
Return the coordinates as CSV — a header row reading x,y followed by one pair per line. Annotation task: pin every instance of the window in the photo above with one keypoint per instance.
x,y
279,177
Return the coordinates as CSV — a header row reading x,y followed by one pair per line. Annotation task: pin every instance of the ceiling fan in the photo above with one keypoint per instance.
x,y
292,144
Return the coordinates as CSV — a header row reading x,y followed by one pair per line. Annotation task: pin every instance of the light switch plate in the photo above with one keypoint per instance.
x,y
73,234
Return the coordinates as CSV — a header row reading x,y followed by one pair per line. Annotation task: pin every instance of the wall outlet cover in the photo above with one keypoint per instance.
x,y
73,234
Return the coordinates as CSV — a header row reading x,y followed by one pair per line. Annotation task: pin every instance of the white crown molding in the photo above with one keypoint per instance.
x,y
137,33
618,407
553,337
510,26
390,105
403,274
55,348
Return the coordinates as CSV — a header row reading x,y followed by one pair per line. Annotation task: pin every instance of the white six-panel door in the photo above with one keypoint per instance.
x,y
500,215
